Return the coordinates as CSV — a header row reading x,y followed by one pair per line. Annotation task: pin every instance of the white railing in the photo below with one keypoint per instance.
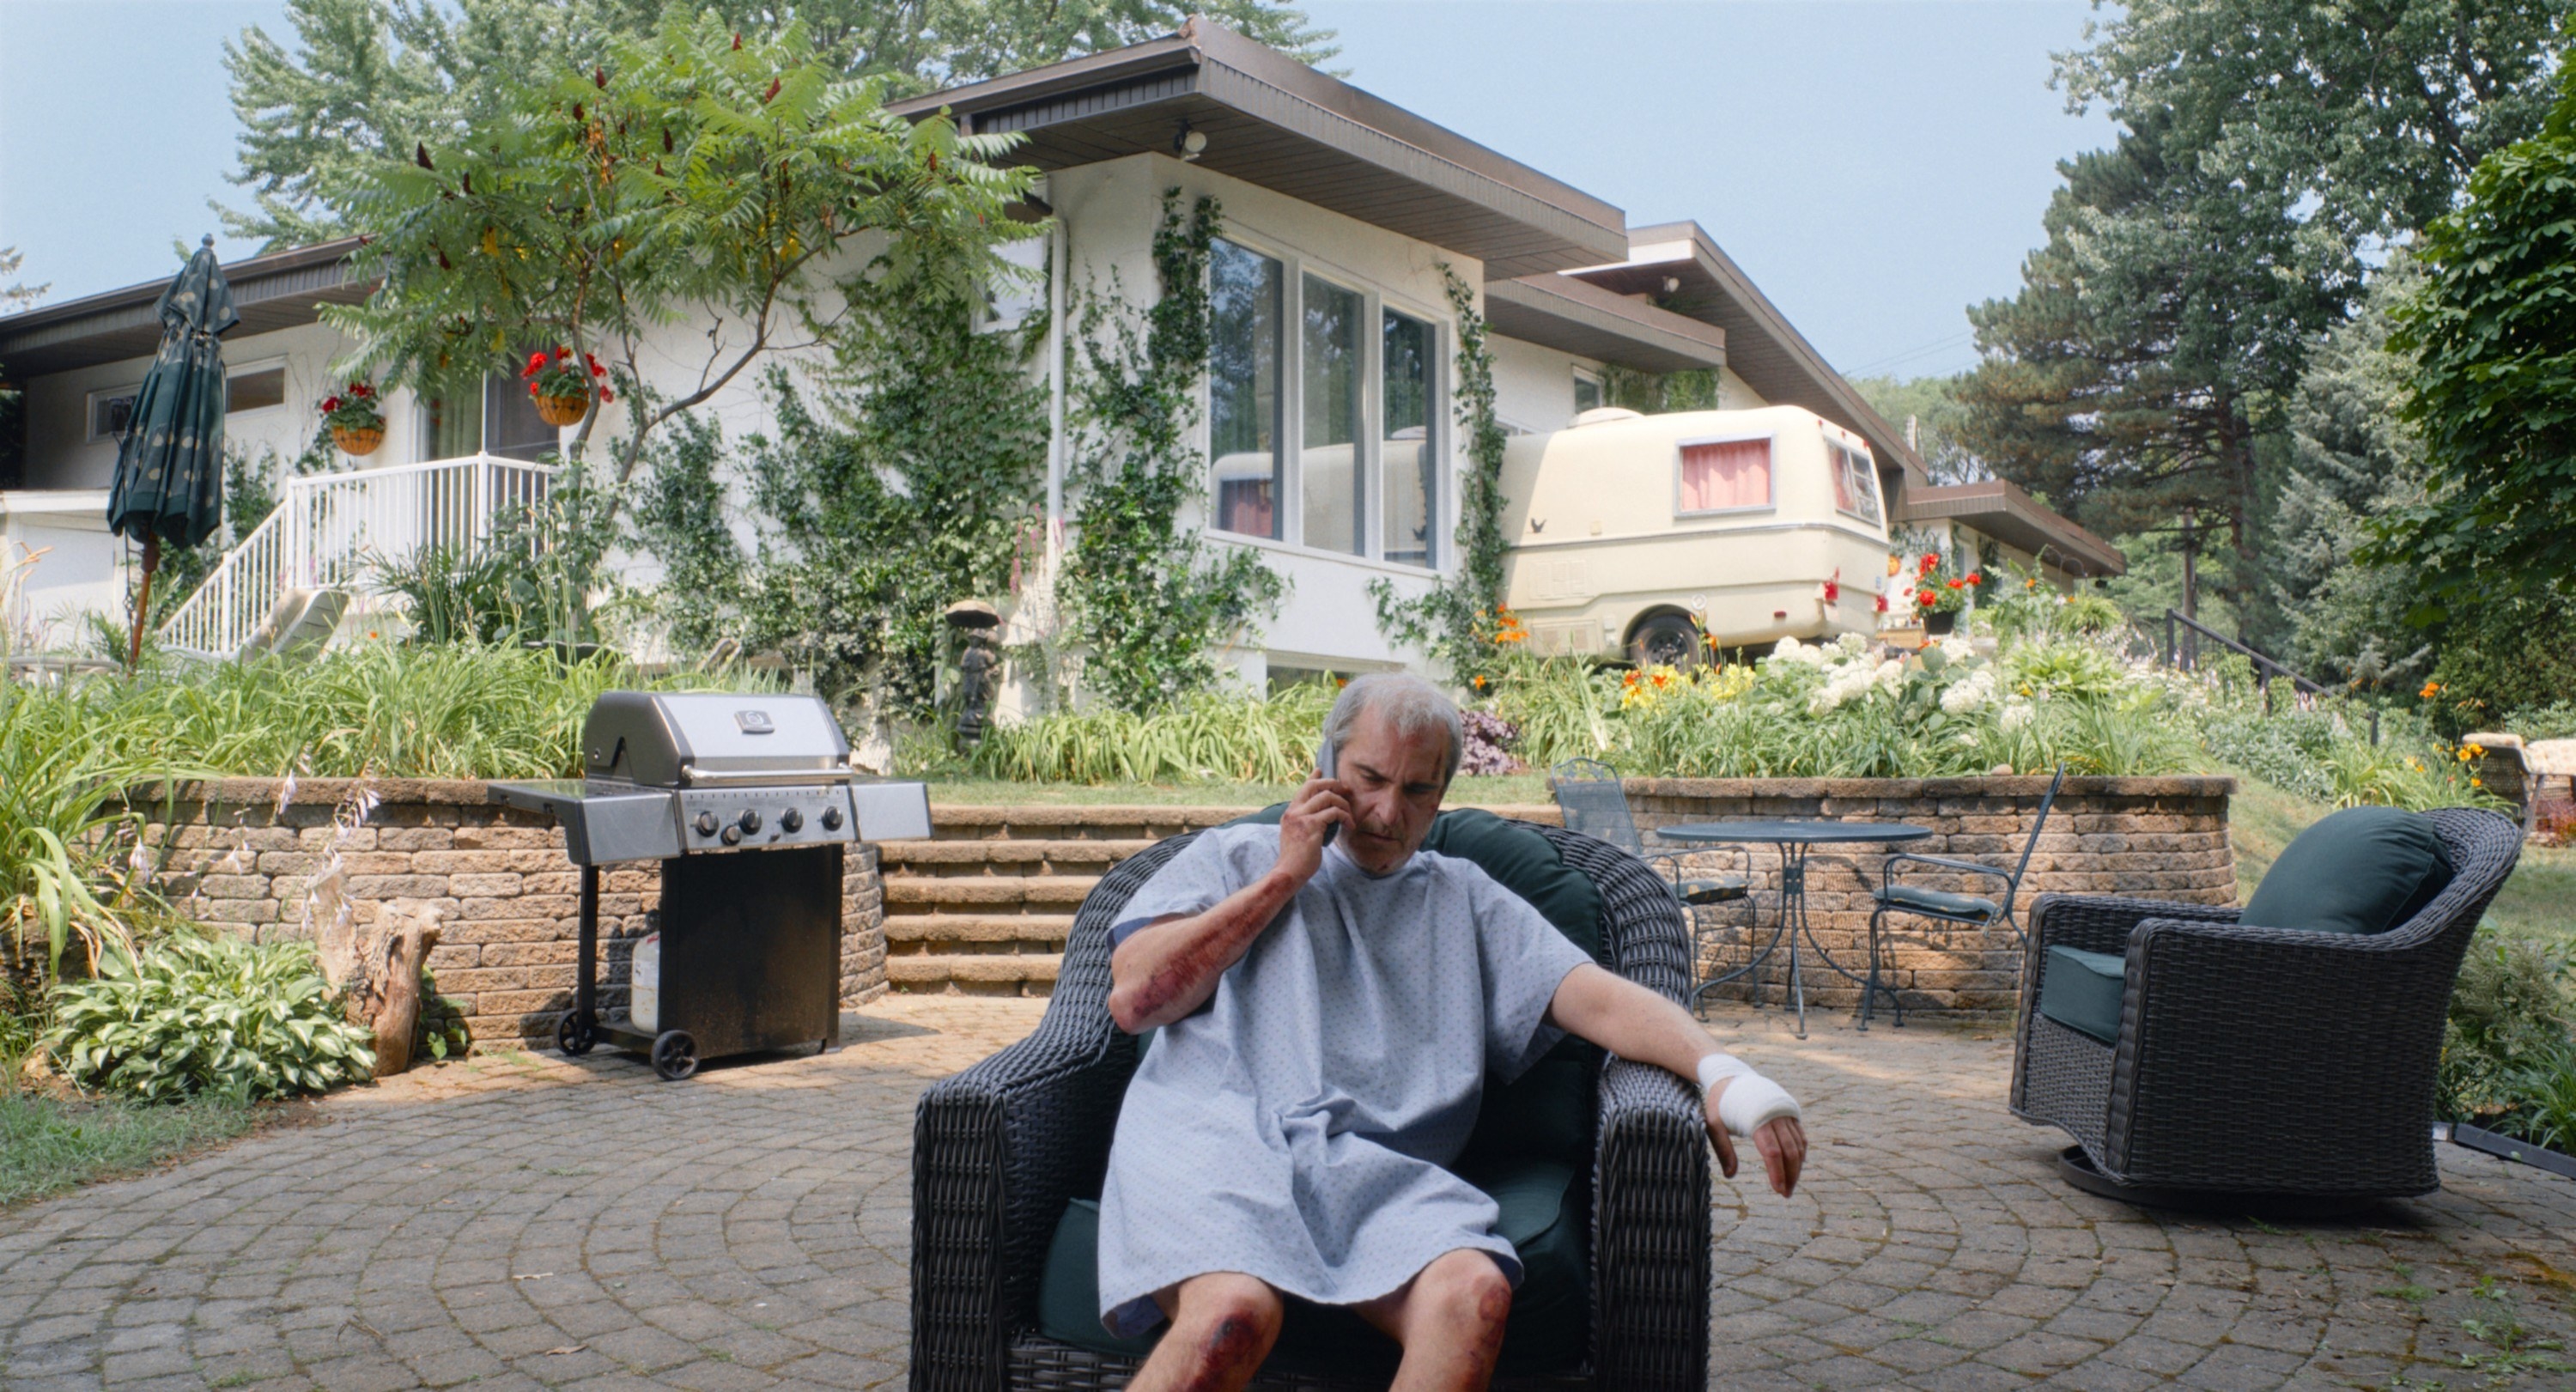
x,y
332,530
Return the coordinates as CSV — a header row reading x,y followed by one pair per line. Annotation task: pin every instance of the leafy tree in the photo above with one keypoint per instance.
x,y
2493,331
17,295
362,80
693,172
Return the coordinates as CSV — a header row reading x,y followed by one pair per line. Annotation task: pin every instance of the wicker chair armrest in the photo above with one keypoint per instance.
x,y
998,1151
2095,923
1650,1232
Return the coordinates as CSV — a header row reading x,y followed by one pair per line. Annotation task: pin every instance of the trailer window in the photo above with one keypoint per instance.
x,y
1725,475
1855,482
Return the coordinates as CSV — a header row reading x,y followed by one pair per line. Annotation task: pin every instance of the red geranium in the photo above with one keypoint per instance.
x,y
558,376
356,409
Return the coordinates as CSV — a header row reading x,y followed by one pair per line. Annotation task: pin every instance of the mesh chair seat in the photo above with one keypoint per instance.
x,y
1717,891
1935,901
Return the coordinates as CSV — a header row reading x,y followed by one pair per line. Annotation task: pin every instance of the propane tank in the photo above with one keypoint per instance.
x,y
644,984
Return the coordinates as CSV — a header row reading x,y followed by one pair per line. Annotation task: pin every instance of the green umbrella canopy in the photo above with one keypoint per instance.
x,y
169,468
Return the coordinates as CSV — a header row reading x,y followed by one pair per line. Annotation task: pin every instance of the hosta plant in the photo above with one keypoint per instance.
x,y
192,1014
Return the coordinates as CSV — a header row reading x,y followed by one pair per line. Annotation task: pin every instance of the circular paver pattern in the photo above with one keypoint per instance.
x,y
518,1221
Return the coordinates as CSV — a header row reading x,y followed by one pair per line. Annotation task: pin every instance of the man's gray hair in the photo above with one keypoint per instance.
x,y
1408,704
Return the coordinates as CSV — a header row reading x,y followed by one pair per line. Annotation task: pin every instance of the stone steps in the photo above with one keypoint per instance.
x,y
984,906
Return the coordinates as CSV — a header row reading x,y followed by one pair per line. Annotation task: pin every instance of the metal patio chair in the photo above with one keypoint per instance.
x,y
1595,803
1945,906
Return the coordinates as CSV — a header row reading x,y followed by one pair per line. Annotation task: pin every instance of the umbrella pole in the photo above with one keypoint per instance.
x,y
143,598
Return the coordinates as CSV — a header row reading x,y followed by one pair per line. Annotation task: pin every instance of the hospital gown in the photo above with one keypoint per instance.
x,y
1296,1127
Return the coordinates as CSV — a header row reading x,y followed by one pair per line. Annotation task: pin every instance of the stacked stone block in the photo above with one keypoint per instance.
x,y
243,856
2149,838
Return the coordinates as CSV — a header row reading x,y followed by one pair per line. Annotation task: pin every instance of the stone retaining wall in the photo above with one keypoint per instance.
x,y
2155,838
243,855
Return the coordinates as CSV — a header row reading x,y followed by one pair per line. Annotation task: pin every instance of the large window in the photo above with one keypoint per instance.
x,y
1407,456
1336,345
500,419
1725,475
255,390
1323,412
1244,294
1855,481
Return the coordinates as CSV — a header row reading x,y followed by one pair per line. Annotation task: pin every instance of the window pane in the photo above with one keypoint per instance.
x,y
1243,388
250,391
1587,394
1330,464
1409,455
511,426
1855,489
454,428
1731,474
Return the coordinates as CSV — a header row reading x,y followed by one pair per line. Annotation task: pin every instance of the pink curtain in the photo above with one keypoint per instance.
x,y
1243,505
1734,474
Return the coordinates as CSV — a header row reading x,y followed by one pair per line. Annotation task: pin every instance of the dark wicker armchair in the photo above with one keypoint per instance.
x,y
2256,1062
1000,1150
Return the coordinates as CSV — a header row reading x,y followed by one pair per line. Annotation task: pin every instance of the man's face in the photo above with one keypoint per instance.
x,y
1396,786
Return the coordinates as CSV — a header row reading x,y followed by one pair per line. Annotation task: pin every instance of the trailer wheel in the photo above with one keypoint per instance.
x,y
1665,640
675,1054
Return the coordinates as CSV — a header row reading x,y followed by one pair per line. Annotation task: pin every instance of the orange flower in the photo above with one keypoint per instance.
x,y
2431,690
1632,680
1662,680
1480,683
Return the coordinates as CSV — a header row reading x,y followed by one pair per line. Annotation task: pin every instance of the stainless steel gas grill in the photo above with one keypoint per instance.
x,y
750,944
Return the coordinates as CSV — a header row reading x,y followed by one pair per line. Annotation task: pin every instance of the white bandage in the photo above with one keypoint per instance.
x,y
1751,1101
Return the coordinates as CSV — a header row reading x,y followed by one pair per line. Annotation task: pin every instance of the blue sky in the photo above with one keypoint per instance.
x,y
1875,165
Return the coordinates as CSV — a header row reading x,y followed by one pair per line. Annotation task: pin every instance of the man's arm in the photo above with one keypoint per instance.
x,y
1636,1024
1170,967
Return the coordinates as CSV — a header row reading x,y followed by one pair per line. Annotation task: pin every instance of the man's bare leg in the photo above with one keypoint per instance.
x,y
1449,1318
1223,1325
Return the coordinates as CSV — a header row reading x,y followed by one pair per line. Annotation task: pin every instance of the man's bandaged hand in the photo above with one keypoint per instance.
x,y
1750,1100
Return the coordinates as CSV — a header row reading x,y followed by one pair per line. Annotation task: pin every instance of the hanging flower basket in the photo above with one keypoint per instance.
x,y
356,419
562,410
1938,623
562,387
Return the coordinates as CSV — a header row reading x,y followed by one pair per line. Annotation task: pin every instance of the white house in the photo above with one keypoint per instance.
x,y
1332,446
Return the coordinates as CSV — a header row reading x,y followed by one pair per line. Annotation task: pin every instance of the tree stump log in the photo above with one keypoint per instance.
x,y
376,968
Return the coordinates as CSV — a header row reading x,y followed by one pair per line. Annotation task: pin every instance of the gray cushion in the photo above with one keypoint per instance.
x,y
2081,990
1937,901
2361,870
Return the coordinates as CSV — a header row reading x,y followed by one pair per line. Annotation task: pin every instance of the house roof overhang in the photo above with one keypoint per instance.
x,y
1271,120
2002,511
276,291
1684,271
1591,322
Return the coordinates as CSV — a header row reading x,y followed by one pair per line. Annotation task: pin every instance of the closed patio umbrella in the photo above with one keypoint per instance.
x,y
170,465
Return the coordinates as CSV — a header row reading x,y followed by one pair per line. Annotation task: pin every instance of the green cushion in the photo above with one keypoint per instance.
x,y
1548,1110
2081,990
1542,1216
2361,870
1937,901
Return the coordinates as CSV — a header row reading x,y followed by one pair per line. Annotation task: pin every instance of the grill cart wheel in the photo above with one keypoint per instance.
x,y
574,1035
675,1054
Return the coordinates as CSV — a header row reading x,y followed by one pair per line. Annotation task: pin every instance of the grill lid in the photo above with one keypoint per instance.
x,y
669,739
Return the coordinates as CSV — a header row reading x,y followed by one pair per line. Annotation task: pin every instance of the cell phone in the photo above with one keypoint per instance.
x,y
1324,765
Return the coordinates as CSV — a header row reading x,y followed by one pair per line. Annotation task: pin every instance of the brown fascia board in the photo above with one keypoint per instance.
x,y
1572,316
1730,280
75,333
2001,509
1269,86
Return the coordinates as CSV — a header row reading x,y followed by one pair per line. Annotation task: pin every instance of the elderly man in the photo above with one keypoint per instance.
x,y
1331,1008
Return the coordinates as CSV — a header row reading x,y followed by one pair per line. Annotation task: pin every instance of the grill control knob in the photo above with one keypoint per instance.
x,y
749,821
791,821
831,819
733,836
706,824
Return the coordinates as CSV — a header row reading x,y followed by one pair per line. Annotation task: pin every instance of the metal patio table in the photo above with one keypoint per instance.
x,y
1792,837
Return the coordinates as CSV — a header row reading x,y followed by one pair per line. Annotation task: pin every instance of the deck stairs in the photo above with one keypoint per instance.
x,y
984,906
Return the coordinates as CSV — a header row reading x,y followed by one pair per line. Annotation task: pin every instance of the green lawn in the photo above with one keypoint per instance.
x,y
49,1143
2539,899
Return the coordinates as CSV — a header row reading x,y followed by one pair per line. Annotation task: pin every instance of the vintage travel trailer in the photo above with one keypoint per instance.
x,y
1648,537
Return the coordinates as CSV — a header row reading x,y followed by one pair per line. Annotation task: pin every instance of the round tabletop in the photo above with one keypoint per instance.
x,y
1801,831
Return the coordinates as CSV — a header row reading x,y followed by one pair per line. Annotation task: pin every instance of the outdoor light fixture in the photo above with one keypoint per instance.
x,y
1189,144
1672,285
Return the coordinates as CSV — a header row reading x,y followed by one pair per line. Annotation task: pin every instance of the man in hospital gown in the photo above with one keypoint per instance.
x,y
1329,1017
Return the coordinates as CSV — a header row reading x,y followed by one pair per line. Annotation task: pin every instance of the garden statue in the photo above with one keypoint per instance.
x,y
974,621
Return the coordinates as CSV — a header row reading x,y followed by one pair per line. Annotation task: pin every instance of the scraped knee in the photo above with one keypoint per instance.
x,y
1232,1320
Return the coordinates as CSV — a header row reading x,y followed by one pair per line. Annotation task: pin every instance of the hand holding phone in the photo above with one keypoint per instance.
x,y
1324,755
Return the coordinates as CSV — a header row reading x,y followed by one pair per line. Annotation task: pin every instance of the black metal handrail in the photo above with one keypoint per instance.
x,y
2263,664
